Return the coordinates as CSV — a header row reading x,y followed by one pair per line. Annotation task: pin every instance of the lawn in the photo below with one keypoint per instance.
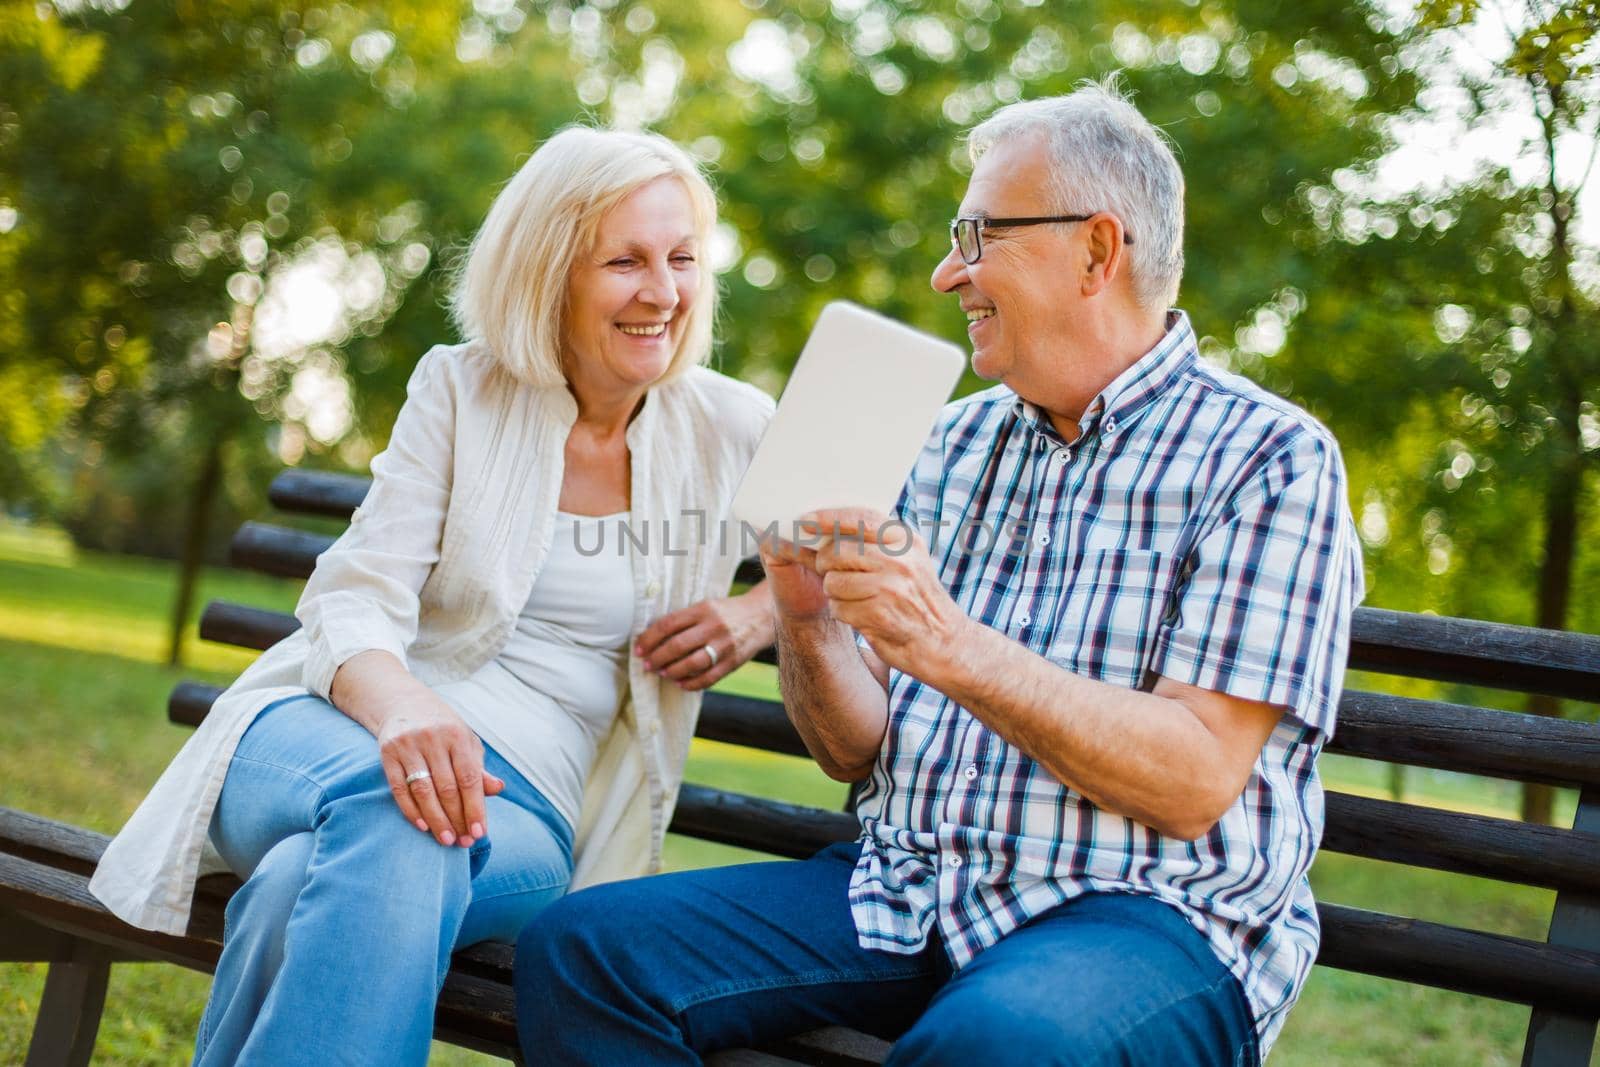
x,y
82,654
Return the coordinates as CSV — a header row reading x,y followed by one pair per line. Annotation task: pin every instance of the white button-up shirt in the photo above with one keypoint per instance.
x,y
434,568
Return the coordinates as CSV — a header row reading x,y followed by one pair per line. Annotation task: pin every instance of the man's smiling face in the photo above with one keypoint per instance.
x,y
1020,297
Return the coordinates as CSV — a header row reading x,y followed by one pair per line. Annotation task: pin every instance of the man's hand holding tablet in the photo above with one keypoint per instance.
x,y
821,489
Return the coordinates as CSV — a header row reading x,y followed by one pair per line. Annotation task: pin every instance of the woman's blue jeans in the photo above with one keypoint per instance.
x,y
664,970
336,947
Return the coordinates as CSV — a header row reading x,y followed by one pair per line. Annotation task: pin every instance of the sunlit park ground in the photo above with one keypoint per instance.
x,y
84,733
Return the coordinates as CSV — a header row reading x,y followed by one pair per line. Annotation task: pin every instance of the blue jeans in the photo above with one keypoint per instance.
x,y
336,947
664,970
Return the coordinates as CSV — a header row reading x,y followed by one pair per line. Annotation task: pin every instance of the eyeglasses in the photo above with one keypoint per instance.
x,y
966,233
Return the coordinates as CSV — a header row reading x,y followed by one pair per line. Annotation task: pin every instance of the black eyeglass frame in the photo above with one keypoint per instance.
x,y
976,224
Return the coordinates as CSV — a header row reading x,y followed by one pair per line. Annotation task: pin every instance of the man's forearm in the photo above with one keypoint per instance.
x,y
838,707
1130,752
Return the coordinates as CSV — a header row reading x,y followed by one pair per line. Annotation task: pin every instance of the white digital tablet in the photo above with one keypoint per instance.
x,y
858,408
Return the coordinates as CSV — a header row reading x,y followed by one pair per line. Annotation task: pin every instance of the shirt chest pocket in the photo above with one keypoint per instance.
x,y
1111,614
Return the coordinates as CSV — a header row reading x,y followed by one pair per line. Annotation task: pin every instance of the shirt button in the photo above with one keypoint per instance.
x,y
1042,540
952,861
1025,620
971,773
1061,455
653,589
1111,425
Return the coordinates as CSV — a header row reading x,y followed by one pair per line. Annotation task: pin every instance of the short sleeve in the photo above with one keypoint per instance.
x,y
1262,609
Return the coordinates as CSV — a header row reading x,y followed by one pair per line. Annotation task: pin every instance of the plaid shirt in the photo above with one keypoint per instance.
x,y
1197,529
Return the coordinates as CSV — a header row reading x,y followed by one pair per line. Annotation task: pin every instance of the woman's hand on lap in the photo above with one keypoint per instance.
x,y
418,731
425,733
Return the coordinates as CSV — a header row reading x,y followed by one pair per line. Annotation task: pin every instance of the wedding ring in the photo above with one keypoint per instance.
x,y
417,776
713,654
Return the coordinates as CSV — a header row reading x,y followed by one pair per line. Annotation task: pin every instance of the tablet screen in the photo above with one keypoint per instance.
x,y
858,408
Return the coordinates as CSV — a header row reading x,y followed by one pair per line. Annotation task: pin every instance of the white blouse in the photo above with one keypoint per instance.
x,y
436,567
549,698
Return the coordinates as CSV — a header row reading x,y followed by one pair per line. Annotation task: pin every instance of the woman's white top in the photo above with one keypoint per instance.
x,y
550,697
436,567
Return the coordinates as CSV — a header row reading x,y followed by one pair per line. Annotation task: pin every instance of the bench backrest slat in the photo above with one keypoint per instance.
x,y
1468,739
1519,658
1504,849
1511,851
1425,733
1467,961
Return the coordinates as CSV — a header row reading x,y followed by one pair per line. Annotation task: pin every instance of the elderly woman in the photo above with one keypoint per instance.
x,y
481,710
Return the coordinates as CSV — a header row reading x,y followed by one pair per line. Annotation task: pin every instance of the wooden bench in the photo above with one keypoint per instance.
x,y
47,914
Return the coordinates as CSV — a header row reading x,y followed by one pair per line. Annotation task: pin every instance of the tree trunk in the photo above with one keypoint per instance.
x,y
1555,588
194,541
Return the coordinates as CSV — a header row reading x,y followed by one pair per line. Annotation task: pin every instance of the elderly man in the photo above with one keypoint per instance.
x,y
1085,682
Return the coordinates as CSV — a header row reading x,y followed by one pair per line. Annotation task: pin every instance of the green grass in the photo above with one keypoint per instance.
x,y
82,643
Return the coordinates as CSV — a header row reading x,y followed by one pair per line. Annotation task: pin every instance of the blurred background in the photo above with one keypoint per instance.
x,y
226,229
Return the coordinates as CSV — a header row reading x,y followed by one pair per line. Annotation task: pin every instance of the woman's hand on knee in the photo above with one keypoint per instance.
x,y
434,763
698,646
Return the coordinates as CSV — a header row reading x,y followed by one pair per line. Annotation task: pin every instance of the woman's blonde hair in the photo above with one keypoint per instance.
x,y
510,289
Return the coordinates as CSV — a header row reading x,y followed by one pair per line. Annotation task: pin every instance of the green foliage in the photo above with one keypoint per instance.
x,y
1455,356
169,162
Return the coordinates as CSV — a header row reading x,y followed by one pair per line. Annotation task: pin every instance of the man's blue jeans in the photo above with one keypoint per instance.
x,y
335,948
664,970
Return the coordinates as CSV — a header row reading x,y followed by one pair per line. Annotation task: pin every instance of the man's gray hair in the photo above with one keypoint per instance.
x,y
1106,156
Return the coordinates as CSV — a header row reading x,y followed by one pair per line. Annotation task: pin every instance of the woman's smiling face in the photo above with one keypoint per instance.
x,y
629,296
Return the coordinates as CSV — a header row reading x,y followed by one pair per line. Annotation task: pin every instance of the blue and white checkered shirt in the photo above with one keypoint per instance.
x,y
1198,529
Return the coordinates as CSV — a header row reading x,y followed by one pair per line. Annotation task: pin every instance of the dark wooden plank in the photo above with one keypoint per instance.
x,y
277,550
1425,733
749,572
260,629
1505,849
326,493
1520,658
24,941
835,1046
758,823
291,553
1467,961
1459,737
69,1011
60,900
748,721
723,717
189,702
477,1014
1556,1037
58,844
235,624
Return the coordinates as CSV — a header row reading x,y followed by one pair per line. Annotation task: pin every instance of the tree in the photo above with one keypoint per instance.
x,y
163,165
1477,421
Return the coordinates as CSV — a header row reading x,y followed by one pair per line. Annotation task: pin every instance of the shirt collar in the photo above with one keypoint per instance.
x,y
1129,392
